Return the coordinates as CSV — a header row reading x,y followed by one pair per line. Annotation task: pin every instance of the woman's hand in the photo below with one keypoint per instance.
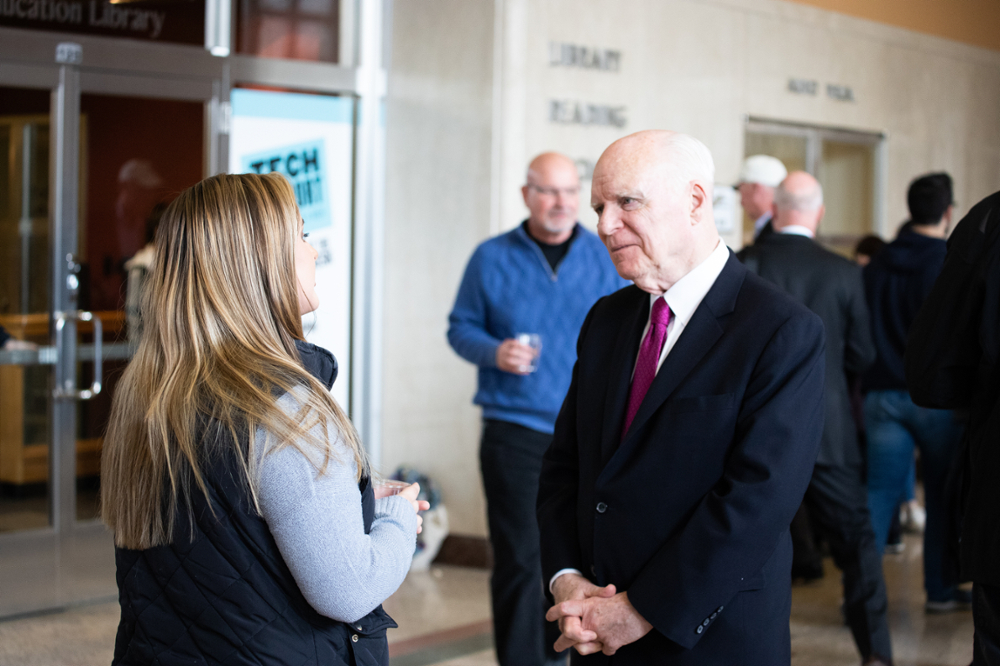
x,y
410,494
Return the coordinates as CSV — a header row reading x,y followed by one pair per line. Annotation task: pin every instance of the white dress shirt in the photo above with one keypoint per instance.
x,y
683,298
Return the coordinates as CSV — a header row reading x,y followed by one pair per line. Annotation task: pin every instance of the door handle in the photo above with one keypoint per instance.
x,y
69,390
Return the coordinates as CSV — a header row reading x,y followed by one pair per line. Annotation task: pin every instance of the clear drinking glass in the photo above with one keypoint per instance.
x,y
392,487
533,340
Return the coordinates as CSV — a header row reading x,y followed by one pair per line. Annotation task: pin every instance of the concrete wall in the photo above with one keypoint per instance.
x,y
458,146
437,209
703,66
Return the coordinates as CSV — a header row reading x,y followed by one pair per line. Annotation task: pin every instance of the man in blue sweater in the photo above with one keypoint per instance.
x,y
897,281
542,278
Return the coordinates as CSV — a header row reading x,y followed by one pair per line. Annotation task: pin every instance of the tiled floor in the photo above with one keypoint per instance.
x,y
32,511
444,621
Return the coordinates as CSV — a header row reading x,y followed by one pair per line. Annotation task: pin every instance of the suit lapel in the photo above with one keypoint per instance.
x,y
700,335
626,350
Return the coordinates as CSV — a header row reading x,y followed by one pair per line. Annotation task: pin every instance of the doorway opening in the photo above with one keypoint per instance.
x,y
850,166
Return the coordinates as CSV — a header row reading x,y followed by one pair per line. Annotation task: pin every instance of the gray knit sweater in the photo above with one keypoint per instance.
x,y
317,523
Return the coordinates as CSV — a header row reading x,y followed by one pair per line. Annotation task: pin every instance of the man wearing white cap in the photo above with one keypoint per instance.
x,y
760,175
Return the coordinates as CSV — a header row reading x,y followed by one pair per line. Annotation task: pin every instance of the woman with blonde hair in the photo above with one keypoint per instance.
x,y
247,528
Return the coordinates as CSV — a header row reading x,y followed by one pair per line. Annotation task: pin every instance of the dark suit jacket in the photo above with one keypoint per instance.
x,y
953,362
765,231
689,513
830,286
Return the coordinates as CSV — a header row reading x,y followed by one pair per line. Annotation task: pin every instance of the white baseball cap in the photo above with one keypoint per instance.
x,y
763,169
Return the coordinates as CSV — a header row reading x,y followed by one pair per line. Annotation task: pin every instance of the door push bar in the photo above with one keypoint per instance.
x,y
69,390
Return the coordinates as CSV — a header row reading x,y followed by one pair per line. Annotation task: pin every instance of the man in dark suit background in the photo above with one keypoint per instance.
x,y
837,499
687,437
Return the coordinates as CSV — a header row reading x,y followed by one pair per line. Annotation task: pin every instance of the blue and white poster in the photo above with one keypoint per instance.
x,y
309,139
304,165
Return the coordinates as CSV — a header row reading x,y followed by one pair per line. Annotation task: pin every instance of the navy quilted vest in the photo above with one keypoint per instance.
x,y
226,596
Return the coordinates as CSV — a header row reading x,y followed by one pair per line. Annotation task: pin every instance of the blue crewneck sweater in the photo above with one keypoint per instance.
x,y
509,288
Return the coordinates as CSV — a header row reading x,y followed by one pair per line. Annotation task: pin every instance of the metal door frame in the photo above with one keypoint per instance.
x,y
816,134
31,560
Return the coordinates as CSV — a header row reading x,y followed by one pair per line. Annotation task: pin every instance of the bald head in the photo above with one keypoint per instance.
x,y
798,201
676,156
547,163
652,192
552,194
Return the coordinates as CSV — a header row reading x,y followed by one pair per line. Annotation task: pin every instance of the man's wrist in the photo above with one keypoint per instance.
x,y
558,574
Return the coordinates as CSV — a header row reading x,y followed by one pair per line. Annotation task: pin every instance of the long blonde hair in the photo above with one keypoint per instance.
x,y
220,322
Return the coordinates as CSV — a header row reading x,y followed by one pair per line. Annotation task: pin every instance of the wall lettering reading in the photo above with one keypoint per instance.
x,y
584,57
839,93
585,168
811,87
803,86
571,112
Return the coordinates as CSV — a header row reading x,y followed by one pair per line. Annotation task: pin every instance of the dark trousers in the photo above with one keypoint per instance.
x,y
986,617
838,506
510,458
807,560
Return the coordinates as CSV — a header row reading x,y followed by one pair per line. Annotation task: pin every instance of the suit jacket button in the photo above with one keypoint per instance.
x,y
705,623
700,629
712,617
354,638
593,570
601,507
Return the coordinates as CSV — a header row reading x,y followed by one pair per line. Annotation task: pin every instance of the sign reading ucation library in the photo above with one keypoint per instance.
x,y
165,20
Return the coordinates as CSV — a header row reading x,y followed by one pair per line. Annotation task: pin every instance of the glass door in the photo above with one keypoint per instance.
x,y
86,166
28,553
150,150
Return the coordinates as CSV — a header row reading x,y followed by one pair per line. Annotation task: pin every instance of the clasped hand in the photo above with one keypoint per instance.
x,y
594,619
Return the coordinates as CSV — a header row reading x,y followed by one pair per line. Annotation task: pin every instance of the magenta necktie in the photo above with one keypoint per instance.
x,y
649,357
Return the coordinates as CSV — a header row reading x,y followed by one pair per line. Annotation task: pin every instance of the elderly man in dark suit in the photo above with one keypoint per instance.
x,y
831,286
687,437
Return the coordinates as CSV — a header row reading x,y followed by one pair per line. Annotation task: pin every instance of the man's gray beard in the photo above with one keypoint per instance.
x,y
554,229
